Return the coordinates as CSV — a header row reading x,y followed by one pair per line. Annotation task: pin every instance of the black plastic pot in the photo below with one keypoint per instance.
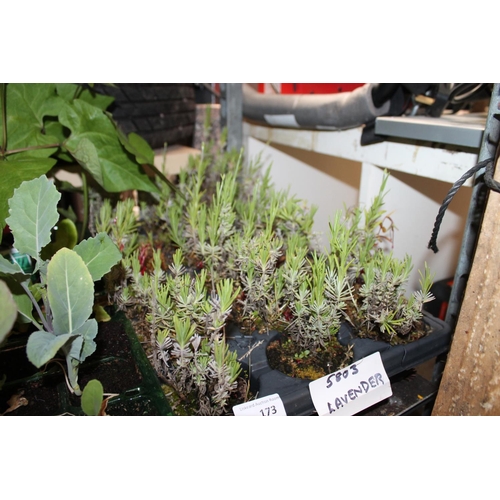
x,y
118,353
402,357
264,381
294,392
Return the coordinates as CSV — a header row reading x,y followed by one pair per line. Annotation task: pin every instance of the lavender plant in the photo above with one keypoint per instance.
x,y
186,325
376,296
239,249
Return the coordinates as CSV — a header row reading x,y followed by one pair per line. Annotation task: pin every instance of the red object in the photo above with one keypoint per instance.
x,y
313,88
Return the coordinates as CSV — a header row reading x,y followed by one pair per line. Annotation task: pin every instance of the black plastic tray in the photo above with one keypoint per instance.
x,y
294,392
402,357
144,398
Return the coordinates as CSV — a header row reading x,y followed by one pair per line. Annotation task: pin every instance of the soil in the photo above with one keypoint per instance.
x,y
41,393
283,355
420,330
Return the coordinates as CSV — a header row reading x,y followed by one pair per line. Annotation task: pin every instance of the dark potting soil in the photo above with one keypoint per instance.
x,y
283,355
41,393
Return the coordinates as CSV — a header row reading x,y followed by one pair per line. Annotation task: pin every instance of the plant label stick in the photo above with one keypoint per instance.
x,y
268,406
351,389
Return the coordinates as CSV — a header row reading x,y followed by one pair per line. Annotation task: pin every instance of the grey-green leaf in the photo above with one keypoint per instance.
x,y
92,397
84,345
70,290
33,213
43,346
99,253
7,267
8,311
14,172
23,303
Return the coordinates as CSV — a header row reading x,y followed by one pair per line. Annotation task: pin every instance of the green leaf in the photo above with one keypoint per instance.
x,y
86,155
25,308
33,213
68,90
83,346
70,290
13,173
27,105
92,397
43,346
23,303
137,146
99,253
66,237
100,314
117,171
8,311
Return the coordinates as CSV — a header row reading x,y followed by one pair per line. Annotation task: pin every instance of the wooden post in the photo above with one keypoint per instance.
x,y
471,378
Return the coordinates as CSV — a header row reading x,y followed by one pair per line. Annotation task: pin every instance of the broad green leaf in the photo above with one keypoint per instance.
x,y
33,213
67,91
86,155
70,290
144,155
92,397
66,237
13,173
116,168
8,311
83,346
27,106
43,346
88,332
25,309
137,146
99,253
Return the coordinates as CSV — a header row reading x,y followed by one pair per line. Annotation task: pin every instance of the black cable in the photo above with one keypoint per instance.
x,y
489,180
488,164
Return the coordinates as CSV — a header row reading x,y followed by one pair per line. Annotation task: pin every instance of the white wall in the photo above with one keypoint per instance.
x,y
412,201
321,180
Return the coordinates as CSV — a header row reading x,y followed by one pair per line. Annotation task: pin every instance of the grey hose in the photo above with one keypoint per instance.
x,y
317,111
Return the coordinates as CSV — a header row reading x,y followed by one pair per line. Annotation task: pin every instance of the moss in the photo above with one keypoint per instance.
x,y
285,356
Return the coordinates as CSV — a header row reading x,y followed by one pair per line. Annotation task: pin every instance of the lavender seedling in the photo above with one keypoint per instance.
x,y
120,224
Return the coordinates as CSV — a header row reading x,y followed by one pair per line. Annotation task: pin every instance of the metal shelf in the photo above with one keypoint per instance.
x,y
437,163
464,129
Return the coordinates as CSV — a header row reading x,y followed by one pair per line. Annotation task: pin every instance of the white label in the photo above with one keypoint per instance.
x,y
352,389
268,406
281,120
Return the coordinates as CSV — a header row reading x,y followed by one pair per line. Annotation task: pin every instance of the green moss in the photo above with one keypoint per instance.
x,y
287,357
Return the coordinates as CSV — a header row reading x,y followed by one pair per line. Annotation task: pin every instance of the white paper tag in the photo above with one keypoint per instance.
x,y
268,406
281,120
352,389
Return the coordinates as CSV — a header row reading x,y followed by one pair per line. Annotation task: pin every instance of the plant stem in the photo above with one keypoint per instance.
x,y
85,206
46,325
30,148
78,91
3,91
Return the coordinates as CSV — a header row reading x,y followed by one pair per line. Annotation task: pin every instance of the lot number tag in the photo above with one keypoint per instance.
x,y
268,406
352,389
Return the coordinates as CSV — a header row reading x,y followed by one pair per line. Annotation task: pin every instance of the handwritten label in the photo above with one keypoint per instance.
x,y
352,389
268,406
